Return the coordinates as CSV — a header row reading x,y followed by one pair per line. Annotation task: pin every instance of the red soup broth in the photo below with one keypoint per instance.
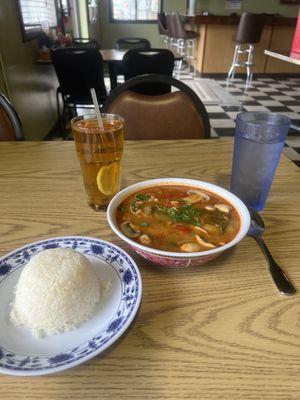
x,y
178,218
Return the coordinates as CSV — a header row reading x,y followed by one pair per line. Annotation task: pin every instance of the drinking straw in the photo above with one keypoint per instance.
x,y
96,105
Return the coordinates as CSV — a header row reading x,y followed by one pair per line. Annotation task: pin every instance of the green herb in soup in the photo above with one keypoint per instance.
x,y
178,218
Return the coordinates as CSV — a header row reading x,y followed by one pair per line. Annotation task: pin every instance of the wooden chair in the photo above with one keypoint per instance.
x,y
10,124
177,115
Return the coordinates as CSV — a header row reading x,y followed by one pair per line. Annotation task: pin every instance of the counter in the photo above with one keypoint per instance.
x,y
234,20
215,46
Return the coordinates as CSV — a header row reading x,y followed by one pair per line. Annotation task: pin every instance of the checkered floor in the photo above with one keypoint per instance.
x,y
264,94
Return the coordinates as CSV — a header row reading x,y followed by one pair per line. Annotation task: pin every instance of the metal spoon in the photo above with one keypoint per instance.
x,y
280,279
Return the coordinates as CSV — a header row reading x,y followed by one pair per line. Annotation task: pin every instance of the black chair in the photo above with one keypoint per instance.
x,y
153,61
78,70
86,43
171,31
162,24
180,32
162,28
126,44
10,123
132,44
177,115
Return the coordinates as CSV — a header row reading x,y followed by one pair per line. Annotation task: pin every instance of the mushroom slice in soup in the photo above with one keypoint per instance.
x,y
211,229
225,208
190,247
145,239
129,230
194,196
199,230
153,198
204,243
146,209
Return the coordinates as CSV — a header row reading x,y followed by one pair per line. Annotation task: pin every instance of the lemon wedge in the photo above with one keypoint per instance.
x,y
108,179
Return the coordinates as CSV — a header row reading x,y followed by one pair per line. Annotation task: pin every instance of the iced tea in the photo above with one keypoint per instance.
x,y
100,154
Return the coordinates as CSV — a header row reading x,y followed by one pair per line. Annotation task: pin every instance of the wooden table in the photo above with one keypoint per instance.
x,y
284,56
220,331
112,55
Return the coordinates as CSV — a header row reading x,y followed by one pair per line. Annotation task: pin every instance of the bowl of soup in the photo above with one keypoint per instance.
x,y
178,222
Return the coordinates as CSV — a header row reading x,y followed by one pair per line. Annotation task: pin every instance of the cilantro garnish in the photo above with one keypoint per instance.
x,y
142,197
188,214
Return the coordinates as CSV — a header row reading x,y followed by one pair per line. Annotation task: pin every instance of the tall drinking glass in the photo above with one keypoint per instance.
x,y
258,143
99,152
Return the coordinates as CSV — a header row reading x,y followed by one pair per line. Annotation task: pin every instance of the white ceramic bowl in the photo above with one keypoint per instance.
x,y
177,259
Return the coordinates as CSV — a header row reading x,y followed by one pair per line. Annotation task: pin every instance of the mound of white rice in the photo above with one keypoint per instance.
x,y
57,291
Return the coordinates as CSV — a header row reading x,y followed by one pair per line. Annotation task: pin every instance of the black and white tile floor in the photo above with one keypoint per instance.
x,y
264,94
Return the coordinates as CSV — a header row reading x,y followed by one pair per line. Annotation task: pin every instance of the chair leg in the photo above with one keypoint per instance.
x,y
66,110
113,75
164,39
249,65
249,73
234,62
59,117
173,44
66,115
178,68
180,49
192,57
72,113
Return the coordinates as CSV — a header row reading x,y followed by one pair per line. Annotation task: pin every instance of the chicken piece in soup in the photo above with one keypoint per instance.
x,y
178,218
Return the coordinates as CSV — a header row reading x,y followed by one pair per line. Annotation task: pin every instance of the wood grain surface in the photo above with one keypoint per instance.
x,y
220,331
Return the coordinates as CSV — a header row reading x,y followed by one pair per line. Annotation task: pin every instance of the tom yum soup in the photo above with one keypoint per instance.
x,y
178,218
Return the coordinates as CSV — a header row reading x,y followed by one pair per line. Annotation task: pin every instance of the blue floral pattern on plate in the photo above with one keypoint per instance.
x,y
130,279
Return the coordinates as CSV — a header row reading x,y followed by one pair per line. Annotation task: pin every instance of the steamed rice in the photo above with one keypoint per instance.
x,y
57,291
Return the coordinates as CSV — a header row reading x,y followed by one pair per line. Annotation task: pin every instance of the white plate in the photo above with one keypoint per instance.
x,y
23,354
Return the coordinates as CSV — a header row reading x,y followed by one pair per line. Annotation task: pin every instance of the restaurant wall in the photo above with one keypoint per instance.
x,y
107,33
257,6
31,87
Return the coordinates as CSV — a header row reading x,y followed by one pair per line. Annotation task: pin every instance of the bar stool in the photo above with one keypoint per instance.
x,y
162,28
171,31
186,42
248,33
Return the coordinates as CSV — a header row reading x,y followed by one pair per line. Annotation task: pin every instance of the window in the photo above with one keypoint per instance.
x,y
34,14
134,10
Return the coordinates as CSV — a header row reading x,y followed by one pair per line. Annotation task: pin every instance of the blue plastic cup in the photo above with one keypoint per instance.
x,y
258,143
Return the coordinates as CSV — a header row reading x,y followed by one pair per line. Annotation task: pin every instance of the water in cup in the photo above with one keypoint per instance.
x,y
259,140
252,184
